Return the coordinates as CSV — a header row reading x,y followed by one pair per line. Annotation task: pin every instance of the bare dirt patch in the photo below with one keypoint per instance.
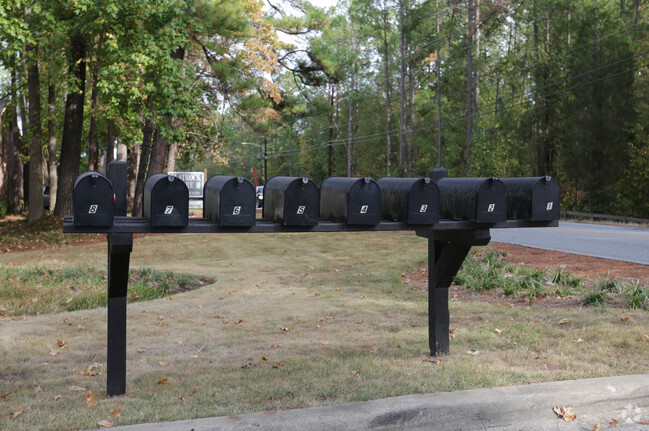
x,y
590,269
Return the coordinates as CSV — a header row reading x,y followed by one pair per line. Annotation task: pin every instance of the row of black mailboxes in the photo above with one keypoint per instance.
x,y
297,201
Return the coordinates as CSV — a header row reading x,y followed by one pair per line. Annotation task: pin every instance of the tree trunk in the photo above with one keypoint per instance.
x,y
158,153
51,145
72,126
331,130
172,155
350,119
147,133
35,203
3,154
93,152
109,155
469,86
411,123
386,62
403,132
476,75
132,163
439,88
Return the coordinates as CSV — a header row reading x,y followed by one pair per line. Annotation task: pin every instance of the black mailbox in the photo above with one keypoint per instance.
x,y
229,201
292,201
355,201
93,200
532,198
166,201
481,200
410,200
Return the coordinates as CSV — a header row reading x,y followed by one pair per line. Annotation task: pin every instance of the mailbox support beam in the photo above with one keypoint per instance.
x,y
446,252
120,246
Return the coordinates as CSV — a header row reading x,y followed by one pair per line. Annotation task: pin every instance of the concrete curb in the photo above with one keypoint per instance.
x,y
525,408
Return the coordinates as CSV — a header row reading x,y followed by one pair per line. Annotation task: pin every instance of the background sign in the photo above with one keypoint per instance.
x,y
194,181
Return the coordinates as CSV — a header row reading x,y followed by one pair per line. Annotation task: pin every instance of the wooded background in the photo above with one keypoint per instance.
x,y
362,88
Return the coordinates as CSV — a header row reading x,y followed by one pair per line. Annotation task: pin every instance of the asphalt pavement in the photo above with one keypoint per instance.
x,y
625,243
620,403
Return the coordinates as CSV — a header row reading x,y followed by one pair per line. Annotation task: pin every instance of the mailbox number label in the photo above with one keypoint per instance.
x,y
300,209
93,209
549,207
491,208
364,209
423,208
237,210
169,209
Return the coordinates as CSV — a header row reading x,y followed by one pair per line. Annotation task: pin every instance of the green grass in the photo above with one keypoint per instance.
x,y
35,290
488,271
292,320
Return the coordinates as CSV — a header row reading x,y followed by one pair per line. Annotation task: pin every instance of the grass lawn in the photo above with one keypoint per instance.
x,y
290,321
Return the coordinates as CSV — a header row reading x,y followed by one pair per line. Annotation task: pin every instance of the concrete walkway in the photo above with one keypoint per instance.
x,y
517,408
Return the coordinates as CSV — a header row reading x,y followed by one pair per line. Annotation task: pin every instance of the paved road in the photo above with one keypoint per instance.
x,y
629,244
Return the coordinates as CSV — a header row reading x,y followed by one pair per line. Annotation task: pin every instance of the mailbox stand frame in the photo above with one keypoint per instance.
x,y
449,242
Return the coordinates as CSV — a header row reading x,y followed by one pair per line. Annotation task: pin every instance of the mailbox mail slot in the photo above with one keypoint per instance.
x,y
292,201
410,200
481,200
355,201
532,198
229,201
166,201
93,200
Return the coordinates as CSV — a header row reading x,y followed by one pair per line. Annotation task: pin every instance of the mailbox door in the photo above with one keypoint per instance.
x,y
301,203
166,201
423,202
491,204
93,200
237,203
364,203
545,200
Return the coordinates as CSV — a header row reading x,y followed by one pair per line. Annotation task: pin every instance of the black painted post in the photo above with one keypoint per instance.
x,y
438,314
120,246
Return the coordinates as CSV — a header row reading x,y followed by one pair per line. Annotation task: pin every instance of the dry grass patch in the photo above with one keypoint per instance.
x,y
292,320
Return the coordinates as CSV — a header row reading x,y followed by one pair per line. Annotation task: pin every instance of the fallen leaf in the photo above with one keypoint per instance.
x,y
613,423
53,352
644,422
105,424
279,364
61,343
264,358
624,319
20,411
286,329
360,322
579,340
3,396
90,400
73,388
141,350
597,426
398,346
57,397
163,382
163,363
498,331
81,327
116,413
238,321
181,398
565,413
316,294
563,321
90,370
644,337
306,274
355,373
275,346
473,352
248,365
